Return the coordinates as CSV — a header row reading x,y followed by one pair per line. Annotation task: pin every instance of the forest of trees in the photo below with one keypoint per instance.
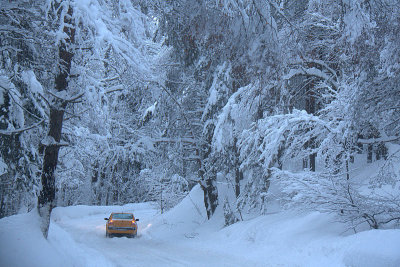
x,y
107,102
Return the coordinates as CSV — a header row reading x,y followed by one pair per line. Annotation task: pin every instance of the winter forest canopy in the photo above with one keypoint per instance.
x,y
261,102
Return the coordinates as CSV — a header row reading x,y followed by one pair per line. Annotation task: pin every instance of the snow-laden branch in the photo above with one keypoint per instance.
x,y
313,72
230,122
263,141
50,141
19,131
321,63
279,10
125,34
63,96
8,47
354,202
378,140
176,140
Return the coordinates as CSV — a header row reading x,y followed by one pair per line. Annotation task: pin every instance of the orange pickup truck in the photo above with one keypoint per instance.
x,y
121,224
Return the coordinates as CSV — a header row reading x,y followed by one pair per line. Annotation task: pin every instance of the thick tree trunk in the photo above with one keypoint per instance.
x,y
47,194
52,145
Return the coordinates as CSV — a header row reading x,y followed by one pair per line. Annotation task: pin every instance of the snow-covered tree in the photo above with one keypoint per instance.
x,y
343,121
22,106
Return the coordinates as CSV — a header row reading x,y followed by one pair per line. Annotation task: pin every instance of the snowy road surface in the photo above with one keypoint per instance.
x,y
145,250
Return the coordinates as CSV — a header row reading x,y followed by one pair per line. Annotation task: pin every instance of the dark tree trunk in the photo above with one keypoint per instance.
x,y
313,156
310,108
238,172
210,196
208,185
369,156
238,178
2,203
208,179
47,194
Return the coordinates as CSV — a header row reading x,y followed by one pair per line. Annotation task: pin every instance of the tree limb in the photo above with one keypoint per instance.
x,y
19,131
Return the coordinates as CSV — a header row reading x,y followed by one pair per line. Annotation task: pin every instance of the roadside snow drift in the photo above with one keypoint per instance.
x,y
22,243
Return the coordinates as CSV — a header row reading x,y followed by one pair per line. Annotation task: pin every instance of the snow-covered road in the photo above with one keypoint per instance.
x,y
147,249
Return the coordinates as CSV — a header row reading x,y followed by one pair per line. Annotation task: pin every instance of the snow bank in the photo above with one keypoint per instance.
x,y
78,254
182,220
313,239
373,248
283,238
22,243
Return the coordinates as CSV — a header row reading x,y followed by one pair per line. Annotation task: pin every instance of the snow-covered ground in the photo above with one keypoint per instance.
x,y
183,237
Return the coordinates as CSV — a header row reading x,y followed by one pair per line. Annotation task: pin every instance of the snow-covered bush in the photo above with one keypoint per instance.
x,y
278,141
354,201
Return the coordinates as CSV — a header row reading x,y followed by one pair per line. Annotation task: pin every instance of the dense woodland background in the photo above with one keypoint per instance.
x,y
274,101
